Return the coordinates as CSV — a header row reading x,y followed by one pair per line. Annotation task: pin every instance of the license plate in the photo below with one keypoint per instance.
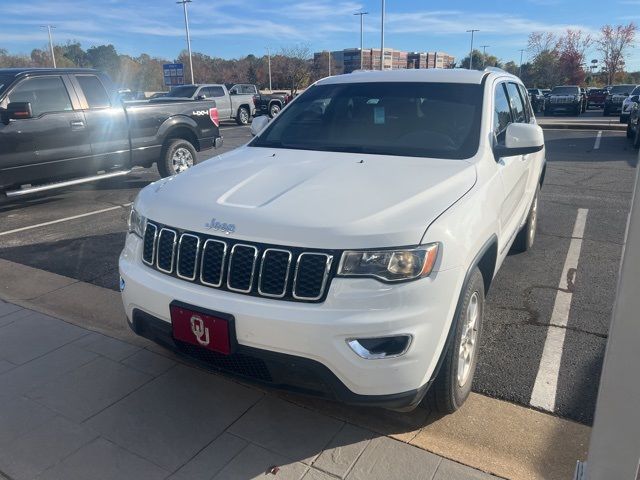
x,y
210,330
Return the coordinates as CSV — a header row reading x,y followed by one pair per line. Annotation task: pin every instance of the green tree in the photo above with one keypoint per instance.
x,y
104,58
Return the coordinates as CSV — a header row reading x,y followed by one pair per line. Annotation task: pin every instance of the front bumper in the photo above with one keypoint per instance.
x,y
314,336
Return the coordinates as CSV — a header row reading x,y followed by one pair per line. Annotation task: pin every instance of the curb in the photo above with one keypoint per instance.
x,y
583,126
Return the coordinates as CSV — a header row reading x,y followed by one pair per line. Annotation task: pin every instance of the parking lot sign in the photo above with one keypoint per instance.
x,y
173,74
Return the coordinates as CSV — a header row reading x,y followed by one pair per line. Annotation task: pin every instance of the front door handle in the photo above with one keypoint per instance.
x,y
77,125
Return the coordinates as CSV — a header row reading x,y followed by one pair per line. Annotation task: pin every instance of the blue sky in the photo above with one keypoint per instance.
x,y
233,28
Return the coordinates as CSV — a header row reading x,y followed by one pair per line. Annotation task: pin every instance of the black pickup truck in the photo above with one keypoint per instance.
x,y
61,127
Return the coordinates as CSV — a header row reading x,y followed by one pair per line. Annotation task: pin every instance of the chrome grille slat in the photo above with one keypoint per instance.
x,y
181,274
260,270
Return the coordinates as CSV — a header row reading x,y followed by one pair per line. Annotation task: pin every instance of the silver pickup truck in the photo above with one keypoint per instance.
x,y
231,106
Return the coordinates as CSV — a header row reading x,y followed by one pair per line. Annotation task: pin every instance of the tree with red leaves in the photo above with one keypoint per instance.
x,y
572,47
613,44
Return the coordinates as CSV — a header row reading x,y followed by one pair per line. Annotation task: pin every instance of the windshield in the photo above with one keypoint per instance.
x,y
413,119
636,91
565,91
186,91
5,81
621,89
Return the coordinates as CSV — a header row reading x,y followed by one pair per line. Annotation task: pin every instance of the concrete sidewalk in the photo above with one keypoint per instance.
x,y
76,404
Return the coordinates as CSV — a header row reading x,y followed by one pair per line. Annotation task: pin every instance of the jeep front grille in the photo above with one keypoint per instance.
x,y
288,273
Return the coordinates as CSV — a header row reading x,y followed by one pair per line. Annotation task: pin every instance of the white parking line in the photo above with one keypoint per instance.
x,y
544,390
596,146
66,219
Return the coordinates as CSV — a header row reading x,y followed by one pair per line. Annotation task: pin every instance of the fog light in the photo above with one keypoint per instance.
x,y
380,347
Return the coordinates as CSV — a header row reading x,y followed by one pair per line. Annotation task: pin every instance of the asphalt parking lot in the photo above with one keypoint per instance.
x,y
78,232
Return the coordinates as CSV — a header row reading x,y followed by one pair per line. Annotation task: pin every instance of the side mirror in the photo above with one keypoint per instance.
x,y
201,97
258,124
233,92
17,111
520,139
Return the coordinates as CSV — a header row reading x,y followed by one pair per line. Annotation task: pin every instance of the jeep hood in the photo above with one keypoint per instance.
x,y
310,199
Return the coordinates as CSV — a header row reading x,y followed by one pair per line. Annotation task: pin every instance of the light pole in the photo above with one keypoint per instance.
x,y
186,27
329,54
472,31
362,14
382,39
520,69
269,63
53,55
484,54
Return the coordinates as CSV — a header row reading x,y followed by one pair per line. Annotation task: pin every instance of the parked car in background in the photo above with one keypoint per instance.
x,y
536,96
615,98
583,94
285,280
565,99
238,107
62,127
596,97
627,103
271,103
633,120
546,92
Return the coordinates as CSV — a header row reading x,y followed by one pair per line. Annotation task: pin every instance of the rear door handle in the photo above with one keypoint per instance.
x,y
77,125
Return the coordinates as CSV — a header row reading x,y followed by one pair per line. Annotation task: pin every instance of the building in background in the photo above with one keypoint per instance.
x,y
350,59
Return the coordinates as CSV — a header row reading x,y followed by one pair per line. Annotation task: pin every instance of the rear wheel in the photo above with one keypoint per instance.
x,y
177,157
453,383
274,109
242,117
527,235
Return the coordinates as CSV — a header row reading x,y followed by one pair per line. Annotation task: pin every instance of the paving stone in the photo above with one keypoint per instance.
x,y
103,460
43,447
449,470
149,362
14,316
282,427
313,474
173,417
46,368
254,462
107,346
19,416
85,391
211,459
388,459
344,450
35,335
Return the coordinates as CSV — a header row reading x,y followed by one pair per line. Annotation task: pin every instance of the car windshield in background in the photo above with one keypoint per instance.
x,y
636,91
182,92
413,119
5,80
621,89
565,91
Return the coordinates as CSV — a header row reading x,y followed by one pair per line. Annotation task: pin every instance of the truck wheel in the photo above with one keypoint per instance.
x,y
242,118
636,137
453,383
274,109
629,130
526,236
605,112
179,155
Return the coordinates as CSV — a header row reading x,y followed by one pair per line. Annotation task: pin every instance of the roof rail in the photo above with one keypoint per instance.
x,y
495,69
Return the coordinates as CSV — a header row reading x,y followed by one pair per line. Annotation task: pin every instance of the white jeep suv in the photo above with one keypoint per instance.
x,y
346,250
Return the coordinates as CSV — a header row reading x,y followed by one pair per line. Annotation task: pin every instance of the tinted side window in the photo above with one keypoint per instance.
x,y
94,91
217,91
501,113
528,109
46,94
517,106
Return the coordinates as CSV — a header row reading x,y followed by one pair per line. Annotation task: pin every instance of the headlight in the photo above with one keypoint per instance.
x,y
390,265
137,223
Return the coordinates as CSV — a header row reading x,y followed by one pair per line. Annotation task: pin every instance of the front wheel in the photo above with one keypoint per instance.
x,y
527,235
177,157
242,118
453,383
274,109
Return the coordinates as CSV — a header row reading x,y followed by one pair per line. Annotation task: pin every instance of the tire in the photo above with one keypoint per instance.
x,y
630,132
636,137
548,112
178,155
243,116
605,112
577,111
274,109
453,383
527,234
